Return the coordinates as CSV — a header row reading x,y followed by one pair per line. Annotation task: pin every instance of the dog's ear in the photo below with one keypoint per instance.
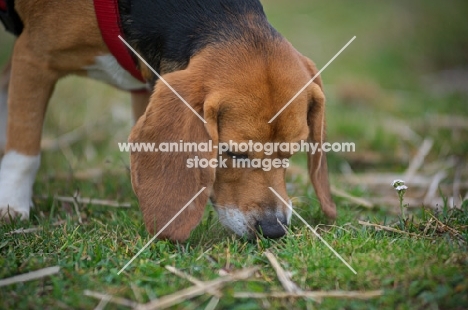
x,y
318,169
162,181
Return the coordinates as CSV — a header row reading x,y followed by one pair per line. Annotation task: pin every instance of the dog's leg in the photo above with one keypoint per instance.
x,y
31,85
140,101
4,81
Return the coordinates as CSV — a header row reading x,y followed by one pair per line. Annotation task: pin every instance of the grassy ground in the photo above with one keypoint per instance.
x,y
387,92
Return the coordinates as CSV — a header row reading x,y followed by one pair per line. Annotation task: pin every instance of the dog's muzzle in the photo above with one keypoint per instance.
x,y
272,226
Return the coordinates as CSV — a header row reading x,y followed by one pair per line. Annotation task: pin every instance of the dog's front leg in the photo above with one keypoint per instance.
x,y
4,81
140,100
30,87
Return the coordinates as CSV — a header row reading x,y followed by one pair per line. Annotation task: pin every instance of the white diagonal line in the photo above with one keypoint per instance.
x,y
308,83
163,80
165,226
313,230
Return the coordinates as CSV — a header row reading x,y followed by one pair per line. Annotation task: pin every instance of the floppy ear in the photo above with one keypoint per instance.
x,y
318,169
161,180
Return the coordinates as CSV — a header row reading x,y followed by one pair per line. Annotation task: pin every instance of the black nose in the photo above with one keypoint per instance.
x,y
272,227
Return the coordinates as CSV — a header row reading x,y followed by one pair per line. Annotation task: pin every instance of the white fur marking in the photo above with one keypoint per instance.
x,y
108,70
17,174
244,225
234,220
289,213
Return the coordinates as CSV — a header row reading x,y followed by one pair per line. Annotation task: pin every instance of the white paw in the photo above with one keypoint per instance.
x,y
7,213
17,174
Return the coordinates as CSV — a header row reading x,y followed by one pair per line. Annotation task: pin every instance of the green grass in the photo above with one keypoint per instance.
x,y
382,76
413,272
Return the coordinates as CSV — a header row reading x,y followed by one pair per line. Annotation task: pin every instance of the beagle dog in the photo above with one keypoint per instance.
x,y
222,56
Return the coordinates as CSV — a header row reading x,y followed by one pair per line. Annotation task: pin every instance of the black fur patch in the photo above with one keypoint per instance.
x,y
10,19
175,30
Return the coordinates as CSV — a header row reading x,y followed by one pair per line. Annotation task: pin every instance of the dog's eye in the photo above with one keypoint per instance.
x,y
240,156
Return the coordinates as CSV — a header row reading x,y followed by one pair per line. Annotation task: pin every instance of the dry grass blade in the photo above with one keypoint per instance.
x,y
33,229
431,192
401,129
188,277
379,179
177,297
99,202
391,229
183,275
418,160
110,298
456,187
317,295
445,121
283,277
443,227
212,304
76,205
357,200
33,275
102,303
24,231
136,292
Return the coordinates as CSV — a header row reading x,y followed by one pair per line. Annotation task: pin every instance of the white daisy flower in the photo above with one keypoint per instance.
x,y
401,188
398,182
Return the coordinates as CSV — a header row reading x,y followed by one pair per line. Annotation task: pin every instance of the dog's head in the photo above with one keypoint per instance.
x,y
237,93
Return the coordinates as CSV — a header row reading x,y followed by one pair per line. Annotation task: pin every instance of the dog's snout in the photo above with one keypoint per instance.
x,y
272,227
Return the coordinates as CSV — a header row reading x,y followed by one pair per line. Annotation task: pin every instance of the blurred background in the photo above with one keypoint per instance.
x,y
399,92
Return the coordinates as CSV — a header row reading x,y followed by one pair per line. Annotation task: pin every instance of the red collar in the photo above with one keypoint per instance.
x,y
108,17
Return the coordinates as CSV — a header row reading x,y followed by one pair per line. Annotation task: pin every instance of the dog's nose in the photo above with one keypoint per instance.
x,y
272,227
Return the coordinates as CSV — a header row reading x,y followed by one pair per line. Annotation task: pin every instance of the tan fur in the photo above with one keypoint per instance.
x,y
161,181
237,95
318,168
4,82
140,101
42,55
236,92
